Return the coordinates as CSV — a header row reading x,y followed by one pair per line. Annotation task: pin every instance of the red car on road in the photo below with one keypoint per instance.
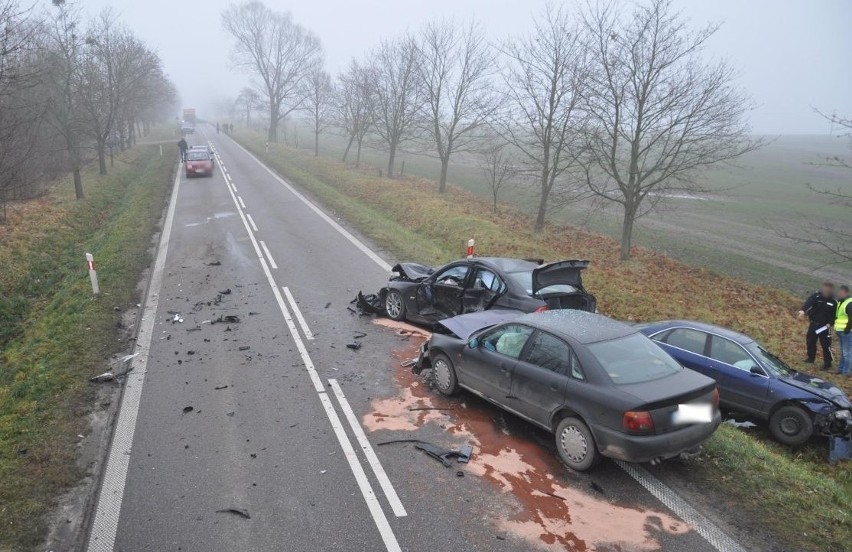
x,y
198,163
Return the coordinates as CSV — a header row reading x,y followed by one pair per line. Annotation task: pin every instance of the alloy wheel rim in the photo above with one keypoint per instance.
x,y
442,374
573,444
393,304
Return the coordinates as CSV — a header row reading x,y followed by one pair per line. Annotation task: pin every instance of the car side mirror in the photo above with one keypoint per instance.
x,y
756,371
473,343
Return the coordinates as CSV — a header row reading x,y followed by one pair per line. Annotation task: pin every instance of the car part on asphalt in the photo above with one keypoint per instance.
x,y
106,376
236,511
355,345
441,454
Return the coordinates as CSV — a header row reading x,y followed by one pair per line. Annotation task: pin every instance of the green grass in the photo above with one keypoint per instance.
x,y
56,334
796,493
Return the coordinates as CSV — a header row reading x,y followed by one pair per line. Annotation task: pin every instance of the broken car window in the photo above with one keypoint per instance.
x,y
453,276
485,279
507,340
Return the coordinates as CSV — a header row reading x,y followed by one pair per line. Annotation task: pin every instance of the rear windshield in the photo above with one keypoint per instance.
x,y
198,156
524,279
633,359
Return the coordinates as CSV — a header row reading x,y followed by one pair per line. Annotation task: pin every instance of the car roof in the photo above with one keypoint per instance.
x,y
585,327
505,264
199,146
742,339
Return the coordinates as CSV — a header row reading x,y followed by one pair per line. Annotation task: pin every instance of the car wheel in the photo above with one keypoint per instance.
x,y
444,374
576,444
791,425
395,305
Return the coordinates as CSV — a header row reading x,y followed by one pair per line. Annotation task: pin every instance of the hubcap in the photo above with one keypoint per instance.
x,y
393,304
790,425
442,374
573,444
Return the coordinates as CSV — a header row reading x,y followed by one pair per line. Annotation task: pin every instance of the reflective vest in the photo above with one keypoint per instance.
x,y
842,318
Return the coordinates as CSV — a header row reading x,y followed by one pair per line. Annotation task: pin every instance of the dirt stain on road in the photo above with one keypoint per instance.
x,y
553,513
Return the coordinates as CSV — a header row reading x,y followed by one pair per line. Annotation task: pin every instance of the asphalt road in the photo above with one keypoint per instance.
x,y
281,421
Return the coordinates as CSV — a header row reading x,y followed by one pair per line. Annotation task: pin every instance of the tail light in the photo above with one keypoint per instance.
x,y
542,308
716,396
638,422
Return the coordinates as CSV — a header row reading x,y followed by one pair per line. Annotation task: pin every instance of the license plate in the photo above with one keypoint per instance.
x,y
692,414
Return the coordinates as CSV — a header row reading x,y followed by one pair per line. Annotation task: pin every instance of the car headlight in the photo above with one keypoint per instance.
x,y
843,415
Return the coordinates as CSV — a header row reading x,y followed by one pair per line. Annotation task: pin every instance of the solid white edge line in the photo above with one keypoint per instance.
x,y
373,504
341,230
242,204
301,319
105,524
268,255
251,221
717,538
379,518
372,459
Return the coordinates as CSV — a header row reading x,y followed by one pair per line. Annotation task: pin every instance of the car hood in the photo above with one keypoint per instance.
x,y
558,273
465,325
819,387
413,271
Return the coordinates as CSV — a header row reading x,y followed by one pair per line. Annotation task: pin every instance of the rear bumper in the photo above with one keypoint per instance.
x,y
644,448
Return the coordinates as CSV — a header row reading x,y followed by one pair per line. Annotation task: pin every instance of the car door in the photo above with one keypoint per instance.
x,y
488,367
740,388
440,295
481,292
689,347
542,376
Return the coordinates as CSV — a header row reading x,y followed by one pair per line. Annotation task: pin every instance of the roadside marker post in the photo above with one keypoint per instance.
x,y
470,244
93,274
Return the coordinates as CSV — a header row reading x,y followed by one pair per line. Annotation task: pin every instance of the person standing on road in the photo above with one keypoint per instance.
x,y
182,146
821,309
843,327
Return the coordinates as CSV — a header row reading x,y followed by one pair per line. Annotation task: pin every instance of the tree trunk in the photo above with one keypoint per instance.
x,y
391,160
102,166
272,135
349,145
358,156
627,232
445,165
78,182
316,142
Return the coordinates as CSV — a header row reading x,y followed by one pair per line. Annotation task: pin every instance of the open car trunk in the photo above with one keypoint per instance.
x,y
560,285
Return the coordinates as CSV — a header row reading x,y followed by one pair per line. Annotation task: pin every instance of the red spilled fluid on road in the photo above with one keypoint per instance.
x,y
551,512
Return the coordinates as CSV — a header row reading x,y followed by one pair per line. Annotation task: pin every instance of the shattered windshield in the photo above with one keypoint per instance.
x,y
771,362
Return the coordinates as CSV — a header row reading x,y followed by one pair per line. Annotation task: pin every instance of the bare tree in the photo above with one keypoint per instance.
x,y
456,76
545,74
497,166
275,49
355,106
397,107
659,114
247,101
320,102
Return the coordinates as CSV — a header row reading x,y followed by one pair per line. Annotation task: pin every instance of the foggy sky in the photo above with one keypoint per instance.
x,y
791,54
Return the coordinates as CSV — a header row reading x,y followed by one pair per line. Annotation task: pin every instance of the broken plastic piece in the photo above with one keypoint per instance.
x,y
236,511
106,376
840,448
187,409
369,304
355,345
465,453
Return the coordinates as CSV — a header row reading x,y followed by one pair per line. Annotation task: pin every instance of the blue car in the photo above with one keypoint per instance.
x,y
753,381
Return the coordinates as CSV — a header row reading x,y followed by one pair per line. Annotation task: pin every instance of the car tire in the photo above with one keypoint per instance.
x,y
791,425
576,444
444,375
395,305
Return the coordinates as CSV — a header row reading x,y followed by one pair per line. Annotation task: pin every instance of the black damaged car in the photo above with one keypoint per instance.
x,y
427,295
600,386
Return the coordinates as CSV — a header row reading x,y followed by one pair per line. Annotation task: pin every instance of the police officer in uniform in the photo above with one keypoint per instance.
x,y
821,309
843,327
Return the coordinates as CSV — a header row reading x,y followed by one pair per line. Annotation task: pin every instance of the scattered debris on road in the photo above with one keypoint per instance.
x,y
187,409
215,263
442,455
219,388
367,304
236,511
355,345
228,319
106,376
244,348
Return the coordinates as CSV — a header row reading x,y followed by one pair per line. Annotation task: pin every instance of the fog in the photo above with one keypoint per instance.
x,y
791,54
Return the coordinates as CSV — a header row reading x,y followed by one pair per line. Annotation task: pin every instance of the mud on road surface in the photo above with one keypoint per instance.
x,y
545,504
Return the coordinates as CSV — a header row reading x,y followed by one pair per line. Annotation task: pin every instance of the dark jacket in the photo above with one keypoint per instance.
x,y
182,145
820,310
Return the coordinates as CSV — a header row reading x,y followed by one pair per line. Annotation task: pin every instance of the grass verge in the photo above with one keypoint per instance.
x,y
793,493
55,335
